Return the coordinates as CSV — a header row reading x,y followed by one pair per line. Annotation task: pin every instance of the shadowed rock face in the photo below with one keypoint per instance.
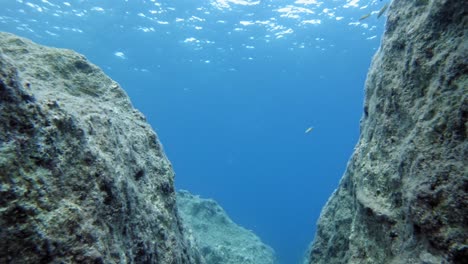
x,y
83,178
403,197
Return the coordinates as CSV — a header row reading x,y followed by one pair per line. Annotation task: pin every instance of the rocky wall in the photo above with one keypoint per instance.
x,y
403,197
83,177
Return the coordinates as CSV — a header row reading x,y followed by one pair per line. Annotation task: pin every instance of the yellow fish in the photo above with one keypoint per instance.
x,y
308,130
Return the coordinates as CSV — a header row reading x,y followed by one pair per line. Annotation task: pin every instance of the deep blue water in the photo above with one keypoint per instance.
x,y
230,87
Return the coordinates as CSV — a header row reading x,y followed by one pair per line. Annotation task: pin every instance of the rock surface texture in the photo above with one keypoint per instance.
x,y
403,197
83,178
220,240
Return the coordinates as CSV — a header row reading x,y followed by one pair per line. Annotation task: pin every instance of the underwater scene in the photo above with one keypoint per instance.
x,y
257,103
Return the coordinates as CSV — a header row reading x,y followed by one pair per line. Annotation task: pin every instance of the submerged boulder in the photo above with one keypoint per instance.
x,y
220,240
83,178
403,197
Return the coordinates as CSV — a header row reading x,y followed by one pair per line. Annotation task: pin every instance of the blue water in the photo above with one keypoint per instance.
x,y
230,87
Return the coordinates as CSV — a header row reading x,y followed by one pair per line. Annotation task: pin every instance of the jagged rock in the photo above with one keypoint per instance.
x,y
83,178
403,197
220,240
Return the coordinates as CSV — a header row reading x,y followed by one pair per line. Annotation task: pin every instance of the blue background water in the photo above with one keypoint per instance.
x,y
230,87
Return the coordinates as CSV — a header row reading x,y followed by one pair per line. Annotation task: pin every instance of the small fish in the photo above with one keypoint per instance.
x,y
308,130
364,17
382,10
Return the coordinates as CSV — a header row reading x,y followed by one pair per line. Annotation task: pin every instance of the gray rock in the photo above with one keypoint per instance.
x,y
83,178
403,197
220,240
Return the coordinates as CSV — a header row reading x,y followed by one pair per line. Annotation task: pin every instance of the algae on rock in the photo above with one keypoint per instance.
x,y
403,197
83,178
219,239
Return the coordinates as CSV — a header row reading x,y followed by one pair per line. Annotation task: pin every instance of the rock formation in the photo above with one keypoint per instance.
x,y
403,197
83,178
220,240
